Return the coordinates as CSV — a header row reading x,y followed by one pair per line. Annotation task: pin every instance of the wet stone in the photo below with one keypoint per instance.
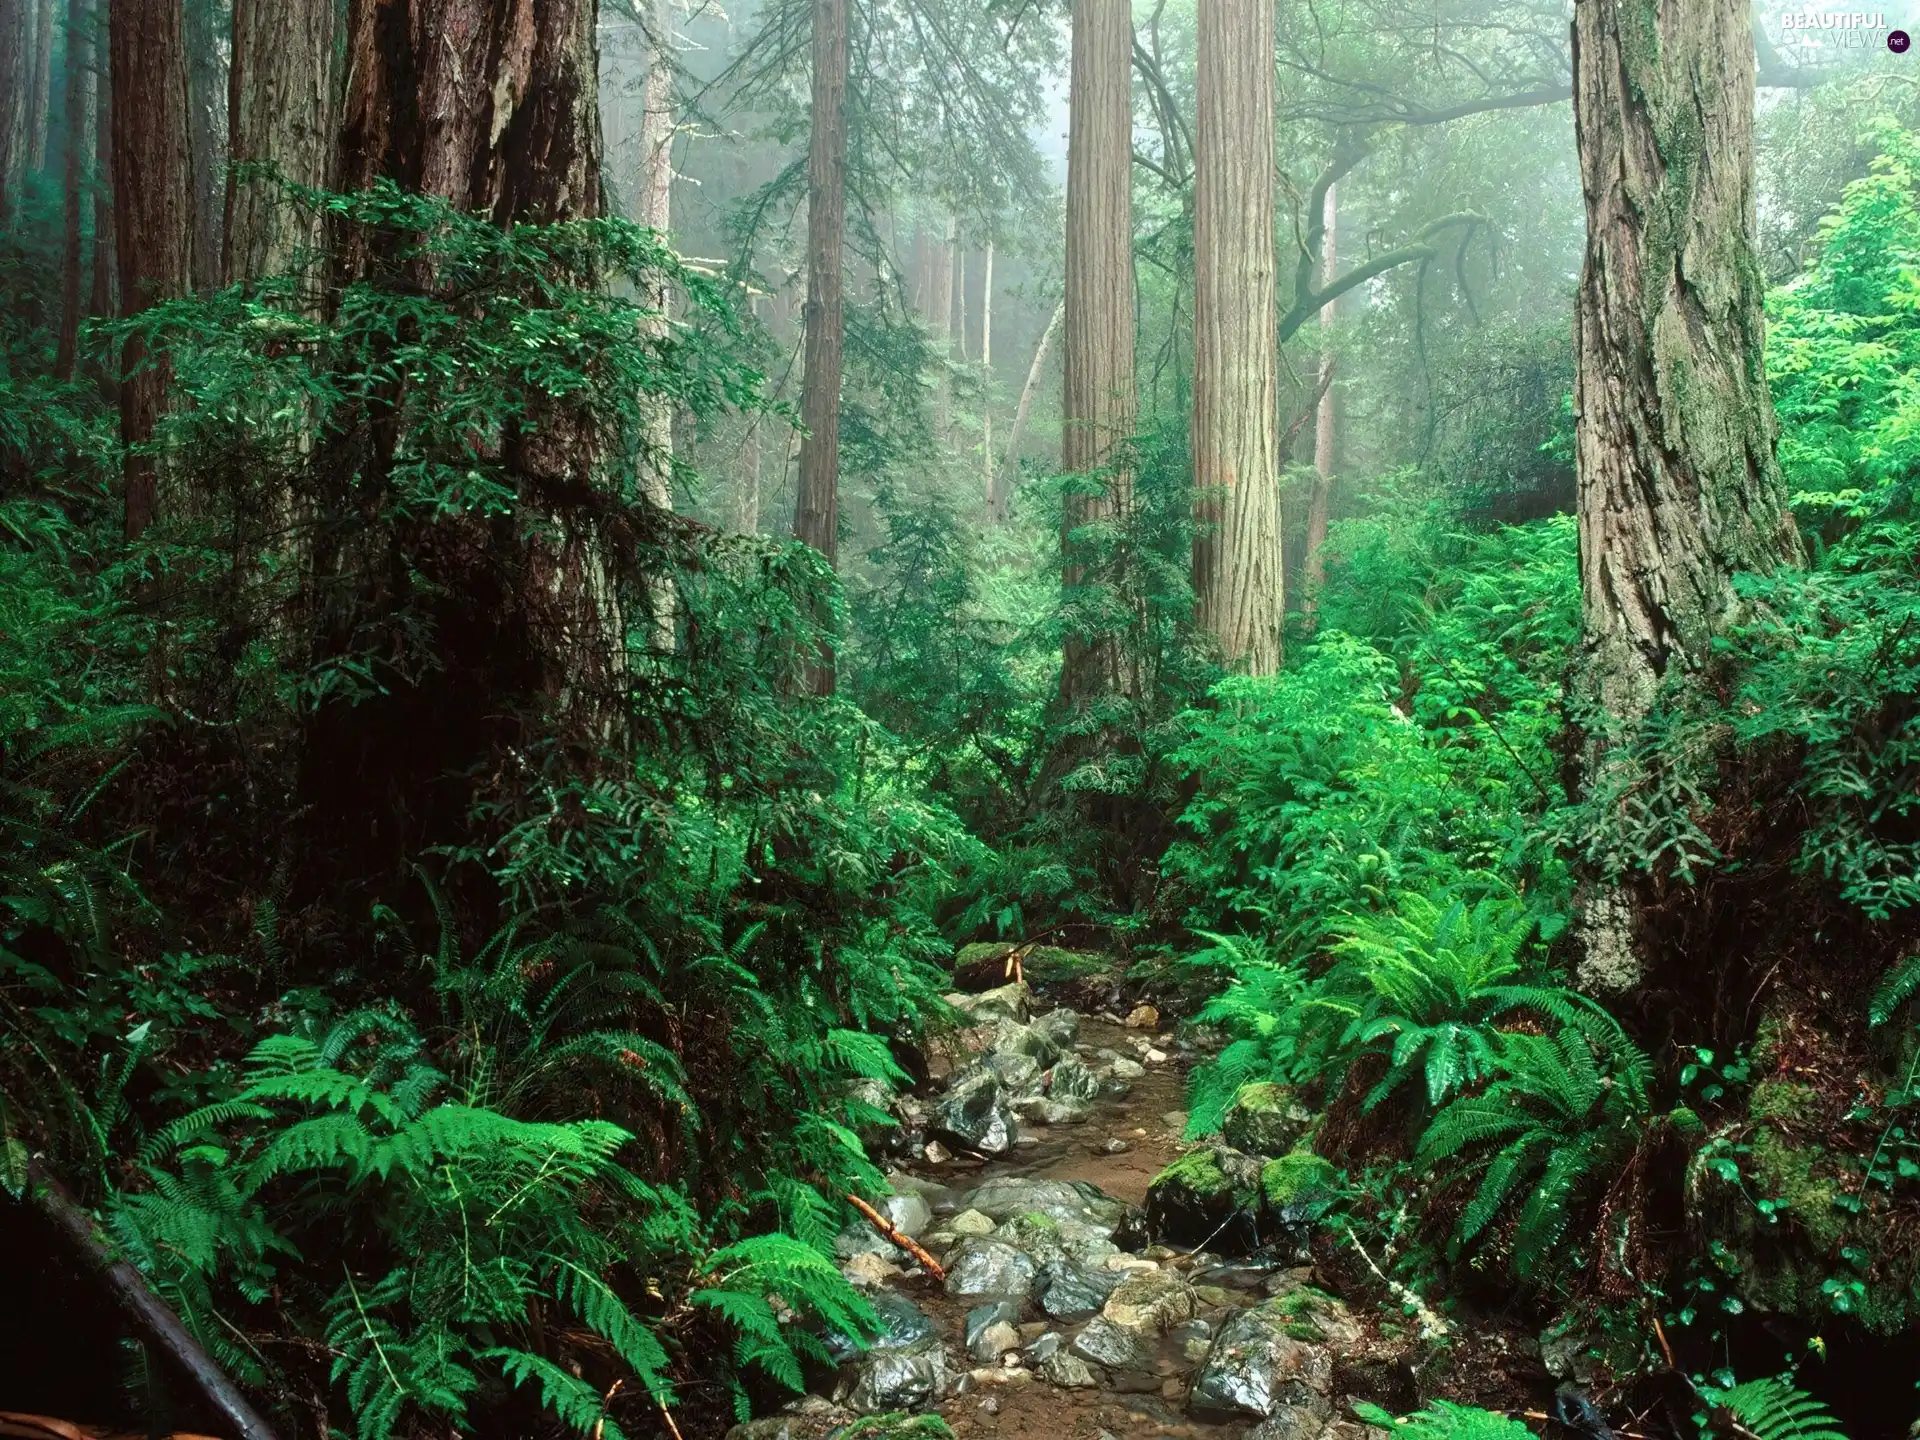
x,y
971,1222
1256,1367
1044,1346
1294,1422
1143,1017
810,1419
972,1113
994,1341
994,1312
909,1213
1070,1079
903,1379
1063,1112
1008,1002
1059,1025
1073,1290
1006,1196
1111,1345
902,1323
989,1267
1018,1074
1012,1038
1150,1303
1068,1371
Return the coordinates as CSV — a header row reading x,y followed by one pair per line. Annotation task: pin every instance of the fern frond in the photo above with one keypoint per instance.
x,y
1776,1409
577,1404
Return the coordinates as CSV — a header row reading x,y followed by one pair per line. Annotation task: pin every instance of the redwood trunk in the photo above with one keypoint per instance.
x,y
39,97
100,295
280,113
15,44
1237,580
207,137
1674,433
816,518
153,205
79,94
1098,405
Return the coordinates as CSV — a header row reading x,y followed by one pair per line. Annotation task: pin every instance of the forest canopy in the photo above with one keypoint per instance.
x,y
877,718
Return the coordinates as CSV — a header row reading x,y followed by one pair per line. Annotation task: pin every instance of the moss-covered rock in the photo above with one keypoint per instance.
x,y
1209,1196
1296,1180
1265,1119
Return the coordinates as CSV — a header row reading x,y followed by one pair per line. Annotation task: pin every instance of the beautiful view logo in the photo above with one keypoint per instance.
x,y
1852,20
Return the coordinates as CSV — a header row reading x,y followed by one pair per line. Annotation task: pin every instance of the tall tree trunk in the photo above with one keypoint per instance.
x,y
1237,580
79,97
40,97
940,301
1098,405
100,293
1326,421
280,113
16,44
656,212
207,132
153,205
986,377
1000,497
1674,433
816,516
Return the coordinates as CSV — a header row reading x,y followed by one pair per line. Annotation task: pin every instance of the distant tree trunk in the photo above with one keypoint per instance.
x,y
986,367
1674,433
280,112
940,299
1325,436
207,130
1098,405
1237,579
816,517
40,98
16,44
656,212
100,294
79,95
153,172
1000,498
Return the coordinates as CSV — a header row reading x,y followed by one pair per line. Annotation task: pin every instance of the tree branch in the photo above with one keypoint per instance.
x,y
1309,302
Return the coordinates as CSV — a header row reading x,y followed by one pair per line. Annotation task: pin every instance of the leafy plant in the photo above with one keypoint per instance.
x,y
1769,1409
1444,1420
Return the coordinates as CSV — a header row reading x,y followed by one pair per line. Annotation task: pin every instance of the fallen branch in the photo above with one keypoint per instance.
x,y
150,1318
894,1236
1432,1327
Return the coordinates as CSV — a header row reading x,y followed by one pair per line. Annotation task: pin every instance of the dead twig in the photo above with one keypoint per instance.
x,y
894,1236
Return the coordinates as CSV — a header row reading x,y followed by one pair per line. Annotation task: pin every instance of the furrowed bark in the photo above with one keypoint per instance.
x,y
1237,579
1678,485
1099,402
79,98
280,113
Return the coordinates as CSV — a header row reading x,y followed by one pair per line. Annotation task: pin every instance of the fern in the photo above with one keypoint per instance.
x,y
1774,1409
571,1399
1899,986
1444,1420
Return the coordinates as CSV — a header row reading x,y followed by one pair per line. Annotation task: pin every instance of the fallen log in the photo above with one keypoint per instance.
x,y
149,1317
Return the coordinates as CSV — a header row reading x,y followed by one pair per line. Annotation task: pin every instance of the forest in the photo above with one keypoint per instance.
x,y
1049,719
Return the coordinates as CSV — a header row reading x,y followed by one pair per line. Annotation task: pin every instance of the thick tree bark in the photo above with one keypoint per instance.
x,y
280,113
1678,485
1326,421
1099,401
207,84
153,205
40,96
79,104
1000,498
16,37
816,517
1237,577
100,293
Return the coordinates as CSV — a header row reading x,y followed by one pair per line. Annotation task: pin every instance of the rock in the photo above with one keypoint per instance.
x,y
874,1120
1173,1388
994,1341
1025,1142
989,1267
1175,1120
869,1270
939,1197
1009,1002
1265,1119
1257,1367
810,1419
1150,1303
936,1153
1007,1195
1000,1375
1012,1038
1068,1371
902,1323
1111,1345
1063,1112
1154,1056
1071,1290
972,1114
903,1379
1293,1422
1209,1196
1122,1068
971,1222
860,1238
1070,1079
1059,1025
1043,1346
909,1213
1019,1074
995,1312
1112,1145
1143,1017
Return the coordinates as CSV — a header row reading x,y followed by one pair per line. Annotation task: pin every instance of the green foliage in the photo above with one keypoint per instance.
x,y
1444,1420
1769,1409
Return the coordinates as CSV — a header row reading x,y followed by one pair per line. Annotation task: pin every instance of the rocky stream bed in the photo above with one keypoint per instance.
x,y
1081,1298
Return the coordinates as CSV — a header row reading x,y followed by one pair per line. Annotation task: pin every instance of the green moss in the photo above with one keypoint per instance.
x,y
1292,1178
1042,963
1197,1172
1793,1174
1786,1101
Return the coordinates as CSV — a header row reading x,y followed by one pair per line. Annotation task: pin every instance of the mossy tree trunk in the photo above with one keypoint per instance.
x,y
1239,597
1678,485
1099,404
